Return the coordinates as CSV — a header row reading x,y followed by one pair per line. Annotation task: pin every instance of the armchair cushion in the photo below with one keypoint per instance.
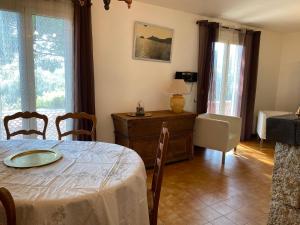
x,y
217,132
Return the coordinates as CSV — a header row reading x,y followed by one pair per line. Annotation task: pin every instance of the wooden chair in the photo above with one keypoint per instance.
x,y
9,205
81,115
153,194
25,115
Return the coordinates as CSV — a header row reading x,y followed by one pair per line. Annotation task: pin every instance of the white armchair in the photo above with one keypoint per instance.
x,y
217,132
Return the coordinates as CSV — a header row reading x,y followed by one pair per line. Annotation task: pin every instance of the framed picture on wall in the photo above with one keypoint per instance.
x,y
152,42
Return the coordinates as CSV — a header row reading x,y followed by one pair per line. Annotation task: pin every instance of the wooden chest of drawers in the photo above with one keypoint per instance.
x,y
141,134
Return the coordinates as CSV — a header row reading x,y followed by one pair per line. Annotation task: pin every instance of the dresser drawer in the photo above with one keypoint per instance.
x,y
142,133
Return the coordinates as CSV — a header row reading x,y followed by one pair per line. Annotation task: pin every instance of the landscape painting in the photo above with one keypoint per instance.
x,y
152,42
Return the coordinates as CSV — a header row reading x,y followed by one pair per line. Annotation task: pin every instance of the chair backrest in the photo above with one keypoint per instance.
x,y
9,205
81,115
25,115
161,157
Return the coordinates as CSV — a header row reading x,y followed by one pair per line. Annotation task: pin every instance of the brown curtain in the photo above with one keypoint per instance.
x,y
249,73
84,90
208,33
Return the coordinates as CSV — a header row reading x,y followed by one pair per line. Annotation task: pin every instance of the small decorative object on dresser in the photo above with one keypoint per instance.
x,y
178,89
140,109
141,134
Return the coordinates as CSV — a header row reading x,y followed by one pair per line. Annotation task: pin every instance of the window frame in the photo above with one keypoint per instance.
x,y
26,10
227,43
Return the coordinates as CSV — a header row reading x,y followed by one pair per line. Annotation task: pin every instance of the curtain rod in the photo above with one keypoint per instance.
x,y
231,28
225,27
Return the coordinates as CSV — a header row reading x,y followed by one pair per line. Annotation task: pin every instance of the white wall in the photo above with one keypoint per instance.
x,y
288,91
121,81
268,72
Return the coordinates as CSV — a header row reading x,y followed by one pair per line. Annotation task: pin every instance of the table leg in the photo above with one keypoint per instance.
x,y
223,158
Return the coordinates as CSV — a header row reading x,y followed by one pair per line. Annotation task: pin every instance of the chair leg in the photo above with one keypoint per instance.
x,y
261,143
235,149
223,158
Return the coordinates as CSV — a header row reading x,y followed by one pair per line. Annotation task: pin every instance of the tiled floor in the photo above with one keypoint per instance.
x,y
201,191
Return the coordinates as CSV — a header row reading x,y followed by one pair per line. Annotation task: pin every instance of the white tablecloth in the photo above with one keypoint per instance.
x,y
94,184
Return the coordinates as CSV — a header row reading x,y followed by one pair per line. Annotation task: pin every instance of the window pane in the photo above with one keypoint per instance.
x,y
52,68
10,68
216,87
233,80
224,96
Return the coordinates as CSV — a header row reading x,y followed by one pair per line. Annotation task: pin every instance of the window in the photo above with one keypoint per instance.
x,y
36,61
225,93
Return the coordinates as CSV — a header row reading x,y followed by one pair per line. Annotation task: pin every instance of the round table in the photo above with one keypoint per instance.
x,y
94,183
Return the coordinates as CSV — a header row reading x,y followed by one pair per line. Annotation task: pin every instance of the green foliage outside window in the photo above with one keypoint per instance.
x,y
49,65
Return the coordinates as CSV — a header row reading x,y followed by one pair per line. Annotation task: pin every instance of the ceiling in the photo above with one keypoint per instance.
x,y
276,15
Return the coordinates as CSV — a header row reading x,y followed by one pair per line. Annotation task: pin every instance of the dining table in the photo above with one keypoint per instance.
x,y
94,183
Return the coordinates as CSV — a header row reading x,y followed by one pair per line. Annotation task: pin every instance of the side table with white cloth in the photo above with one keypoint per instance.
x,y
94,183
262,122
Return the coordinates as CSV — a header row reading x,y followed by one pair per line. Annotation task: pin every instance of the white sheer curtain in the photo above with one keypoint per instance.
x,y
226,87
36,60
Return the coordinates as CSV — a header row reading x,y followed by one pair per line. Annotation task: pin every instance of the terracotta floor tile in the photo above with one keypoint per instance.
x,y
212,198
221,221
201,191
222,208
252,212
237,218
209,214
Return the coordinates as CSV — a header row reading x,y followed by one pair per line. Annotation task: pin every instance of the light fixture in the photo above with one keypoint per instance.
x,y
178,88
107,3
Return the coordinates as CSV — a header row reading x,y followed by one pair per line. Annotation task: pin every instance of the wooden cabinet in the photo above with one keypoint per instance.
x,y
141,134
